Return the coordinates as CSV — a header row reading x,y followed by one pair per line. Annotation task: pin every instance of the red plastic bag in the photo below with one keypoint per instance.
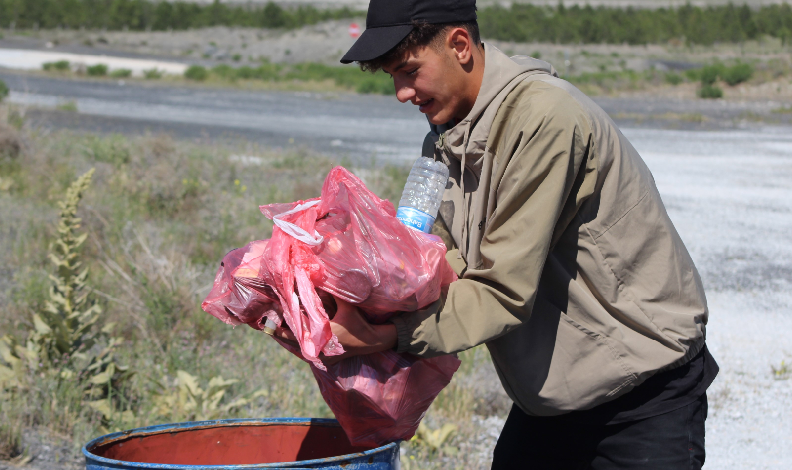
x,y
350,244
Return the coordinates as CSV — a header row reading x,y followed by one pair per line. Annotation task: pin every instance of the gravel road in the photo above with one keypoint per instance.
x,y
360,128
727,191
730,196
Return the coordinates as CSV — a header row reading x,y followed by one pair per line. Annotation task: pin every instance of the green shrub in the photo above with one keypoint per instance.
x,y
737,74
112,149
673,78
693,75
98,70
59,66
121,73
3,90
224,71
196,72
268,72
152,74
710,91
245,73
375,85
236,57
709,74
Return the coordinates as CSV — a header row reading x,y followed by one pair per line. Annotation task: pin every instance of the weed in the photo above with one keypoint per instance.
x,y
783,110
187,400
737,74
68,106
59,66
152,74
10,438
709,75
710,91
783,372
121,73
113,149
693,75
3,90
673,78
98,70
63,327
196,72
10,142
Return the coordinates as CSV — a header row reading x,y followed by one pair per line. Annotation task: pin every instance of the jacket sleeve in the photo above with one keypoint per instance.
x,y
545,150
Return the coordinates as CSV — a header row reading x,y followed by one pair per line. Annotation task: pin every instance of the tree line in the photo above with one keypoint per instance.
x,y
519,22
586,24
158,15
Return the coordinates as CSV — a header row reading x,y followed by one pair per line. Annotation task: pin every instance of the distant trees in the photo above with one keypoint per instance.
x,y
520,22
157,14
692,24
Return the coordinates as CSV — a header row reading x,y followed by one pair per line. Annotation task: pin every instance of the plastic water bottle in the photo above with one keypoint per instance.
x,y
423,194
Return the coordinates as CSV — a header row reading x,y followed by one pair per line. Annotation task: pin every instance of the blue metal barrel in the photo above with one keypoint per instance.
x,y
231,444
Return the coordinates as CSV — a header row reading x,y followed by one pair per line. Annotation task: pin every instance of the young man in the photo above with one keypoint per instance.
x,y
570,270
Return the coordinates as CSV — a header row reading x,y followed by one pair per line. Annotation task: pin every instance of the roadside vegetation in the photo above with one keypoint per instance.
x,y
339,78
712,78
107,247
520,22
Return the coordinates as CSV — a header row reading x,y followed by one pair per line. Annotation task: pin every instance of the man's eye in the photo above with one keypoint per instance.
x,y
412,72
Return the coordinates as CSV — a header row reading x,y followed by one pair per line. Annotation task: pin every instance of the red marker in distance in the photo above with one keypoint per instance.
x,y
354,30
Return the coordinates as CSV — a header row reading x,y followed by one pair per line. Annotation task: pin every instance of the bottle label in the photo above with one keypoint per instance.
x,y
414,218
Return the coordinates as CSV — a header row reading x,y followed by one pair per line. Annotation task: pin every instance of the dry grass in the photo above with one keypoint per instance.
x,y
159,215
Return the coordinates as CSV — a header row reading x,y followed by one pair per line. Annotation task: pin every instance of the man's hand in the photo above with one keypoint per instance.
x,y
355,334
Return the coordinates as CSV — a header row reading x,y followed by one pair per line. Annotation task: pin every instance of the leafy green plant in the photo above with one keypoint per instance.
x,y
3,90
121,73
737,73
693,75
152,74
98,70
710,91
673,78
63,328
184,398
196,72
112,149
59,66
709,74
435,439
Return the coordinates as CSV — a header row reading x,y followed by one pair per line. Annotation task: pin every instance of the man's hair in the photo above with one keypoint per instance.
x,y
423,34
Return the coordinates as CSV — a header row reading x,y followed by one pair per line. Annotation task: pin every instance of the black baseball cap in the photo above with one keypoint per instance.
x,y
390,21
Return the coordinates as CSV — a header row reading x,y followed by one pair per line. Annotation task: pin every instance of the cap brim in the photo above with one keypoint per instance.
x,y
375,42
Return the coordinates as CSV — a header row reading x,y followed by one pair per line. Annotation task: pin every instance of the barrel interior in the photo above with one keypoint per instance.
x,y
232,445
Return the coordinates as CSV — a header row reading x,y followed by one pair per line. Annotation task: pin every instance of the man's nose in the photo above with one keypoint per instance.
x,y
404,93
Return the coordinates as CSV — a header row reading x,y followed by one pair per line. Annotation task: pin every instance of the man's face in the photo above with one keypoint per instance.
x,y
434,81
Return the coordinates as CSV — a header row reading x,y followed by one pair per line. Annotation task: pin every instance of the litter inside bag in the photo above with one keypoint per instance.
x,y
350,244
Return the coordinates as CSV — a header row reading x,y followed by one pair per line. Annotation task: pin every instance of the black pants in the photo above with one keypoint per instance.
x,y
670,441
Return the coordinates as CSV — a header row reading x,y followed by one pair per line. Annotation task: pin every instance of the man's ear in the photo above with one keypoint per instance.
x,y
458,40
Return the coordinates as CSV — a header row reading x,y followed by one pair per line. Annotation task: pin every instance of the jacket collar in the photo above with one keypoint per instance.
x,y
468,137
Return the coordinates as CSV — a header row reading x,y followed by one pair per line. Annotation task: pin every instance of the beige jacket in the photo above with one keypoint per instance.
x,y
570,268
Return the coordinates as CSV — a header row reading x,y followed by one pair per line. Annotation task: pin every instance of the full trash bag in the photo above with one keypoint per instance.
x,y
347,243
